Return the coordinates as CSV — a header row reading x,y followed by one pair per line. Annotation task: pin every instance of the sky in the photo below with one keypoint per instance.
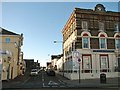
x,y
41,24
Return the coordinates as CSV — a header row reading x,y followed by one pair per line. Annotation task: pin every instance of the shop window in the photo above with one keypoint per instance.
x,y
87,64
104,64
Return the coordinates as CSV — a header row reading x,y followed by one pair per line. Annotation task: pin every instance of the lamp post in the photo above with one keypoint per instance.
x,y
18,54
63,54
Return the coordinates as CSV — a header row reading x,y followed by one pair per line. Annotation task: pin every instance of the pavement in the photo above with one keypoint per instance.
x,y
14,82
92,83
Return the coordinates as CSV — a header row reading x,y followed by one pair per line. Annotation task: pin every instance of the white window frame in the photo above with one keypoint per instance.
x,y
101,26
84,25
104,66
88,43
116,43
100,43
116,27
87,63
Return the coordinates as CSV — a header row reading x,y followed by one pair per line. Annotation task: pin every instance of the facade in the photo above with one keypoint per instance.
x,y
30,64
91,39
57,62
49,65
10,49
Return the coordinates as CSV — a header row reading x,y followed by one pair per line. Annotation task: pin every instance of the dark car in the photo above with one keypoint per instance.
x,y
50,72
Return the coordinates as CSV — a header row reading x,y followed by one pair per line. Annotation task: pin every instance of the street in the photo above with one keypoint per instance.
x,y
39,81
43,81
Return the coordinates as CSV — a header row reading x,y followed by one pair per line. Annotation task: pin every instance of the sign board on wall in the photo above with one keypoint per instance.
x,y
76,59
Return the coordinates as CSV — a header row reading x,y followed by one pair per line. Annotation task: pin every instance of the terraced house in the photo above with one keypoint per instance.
x,y
11,54
95,36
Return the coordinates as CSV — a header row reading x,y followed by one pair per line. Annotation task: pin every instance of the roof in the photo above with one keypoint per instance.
x,y
6,32
56,56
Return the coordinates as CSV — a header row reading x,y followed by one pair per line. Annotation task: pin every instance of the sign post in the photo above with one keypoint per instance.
x,y
76,57
79,60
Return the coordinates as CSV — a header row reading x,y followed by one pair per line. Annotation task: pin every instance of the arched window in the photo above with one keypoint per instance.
x,y
102,40
85,41
117,41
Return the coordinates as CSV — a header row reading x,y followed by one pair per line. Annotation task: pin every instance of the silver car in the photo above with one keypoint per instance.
x,y
34,72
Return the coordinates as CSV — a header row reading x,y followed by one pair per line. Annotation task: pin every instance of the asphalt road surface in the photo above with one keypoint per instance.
x,y
44,82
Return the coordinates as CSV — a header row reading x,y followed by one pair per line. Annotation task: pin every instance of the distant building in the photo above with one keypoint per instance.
x,y
92,36
55,63
29,64
10,53
49,65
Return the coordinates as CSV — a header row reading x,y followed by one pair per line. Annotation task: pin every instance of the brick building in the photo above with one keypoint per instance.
x,y
95,36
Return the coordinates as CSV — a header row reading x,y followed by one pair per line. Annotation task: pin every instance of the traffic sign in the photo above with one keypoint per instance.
x,y
79,59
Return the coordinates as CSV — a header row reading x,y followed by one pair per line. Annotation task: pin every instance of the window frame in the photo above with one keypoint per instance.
x,y
104,42
84,25
7,40
88,42
116,29
116,43
101,26
83,63
107,60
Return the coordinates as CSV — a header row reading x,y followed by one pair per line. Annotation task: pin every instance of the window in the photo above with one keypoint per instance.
x,y
7,40
117,43
101,26
84,25
85,42
102,43
116,27
104,63
87,63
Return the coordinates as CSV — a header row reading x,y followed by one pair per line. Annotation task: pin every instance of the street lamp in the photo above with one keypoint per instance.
x,y
18,47
63,54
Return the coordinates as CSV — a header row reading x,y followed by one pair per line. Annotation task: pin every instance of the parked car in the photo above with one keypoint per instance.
x,y
50,72
34,72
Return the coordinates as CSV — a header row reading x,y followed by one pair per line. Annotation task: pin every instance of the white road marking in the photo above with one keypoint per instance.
x,y
46,86
43,79
61,81
52,83
26,80
43,84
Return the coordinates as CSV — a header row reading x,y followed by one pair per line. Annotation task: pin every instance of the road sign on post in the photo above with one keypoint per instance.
x,y
76,57
79,60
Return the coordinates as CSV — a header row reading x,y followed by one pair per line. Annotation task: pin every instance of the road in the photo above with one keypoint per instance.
x,y
39,81
45,82
42,80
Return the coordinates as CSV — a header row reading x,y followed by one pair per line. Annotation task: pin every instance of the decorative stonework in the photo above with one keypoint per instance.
x,y
100,7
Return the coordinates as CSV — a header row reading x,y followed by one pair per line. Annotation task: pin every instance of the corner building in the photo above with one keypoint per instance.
x,y
95,34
